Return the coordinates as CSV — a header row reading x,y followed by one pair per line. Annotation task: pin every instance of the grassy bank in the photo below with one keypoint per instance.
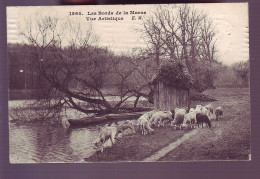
x,y
229,139
137,147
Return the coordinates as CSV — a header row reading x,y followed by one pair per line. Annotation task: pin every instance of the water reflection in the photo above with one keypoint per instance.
x,y
43,143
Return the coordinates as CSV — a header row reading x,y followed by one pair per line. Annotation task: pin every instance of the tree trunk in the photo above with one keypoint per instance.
x,y
136,101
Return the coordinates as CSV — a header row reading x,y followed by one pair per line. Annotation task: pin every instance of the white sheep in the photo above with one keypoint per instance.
x,y
179,116
189,118
160,116
148,115
145,125
106,134
126,125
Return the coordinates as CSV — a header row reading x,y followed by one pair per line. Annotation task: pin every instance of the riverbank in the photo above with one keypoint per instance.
x,y
137,147
229,138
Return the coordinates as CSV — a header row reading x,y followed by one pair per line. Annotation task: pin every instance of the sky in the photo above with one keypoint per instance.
x,y
230,19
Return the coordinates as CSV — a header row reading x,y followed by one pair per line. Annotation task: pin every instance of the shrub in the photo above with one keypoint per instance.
x,y
174,74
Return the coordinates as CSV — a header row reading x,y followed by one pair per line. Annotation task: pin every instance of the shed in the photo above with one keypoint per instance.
x,y
171,87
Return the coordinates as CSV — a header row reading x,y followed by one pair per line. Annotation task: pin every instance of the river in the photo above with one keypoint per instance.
x,y
43,143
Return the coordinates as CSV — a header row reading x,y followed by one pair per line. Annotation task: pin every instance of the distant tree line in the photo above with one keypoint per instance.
x,y
24,73
234,75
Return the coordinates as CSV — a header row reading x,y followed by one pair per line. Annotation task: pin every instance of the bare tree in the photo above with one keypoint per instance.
x,y
242,70
183,35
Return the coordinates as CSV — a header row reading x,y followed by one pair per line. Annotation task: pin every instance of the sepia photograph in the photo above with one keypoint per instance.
x,y
120,83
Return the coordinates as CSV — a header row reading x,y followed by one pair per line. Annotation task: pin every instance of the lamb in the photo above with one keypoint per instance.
x,y
106,134
145,125
179,117
201,118
209,107
219,112
160,116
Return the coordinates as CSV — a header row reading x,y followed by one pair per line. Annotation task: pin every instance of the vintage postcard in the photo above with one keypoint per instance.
x,y
119,83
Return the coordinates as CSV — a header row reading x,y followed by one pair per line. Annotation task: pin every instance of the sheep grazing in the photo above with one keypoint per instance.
x,y
209,107
179,116
145,125
219,112
160,116
201,118
106,134
189,118
126,125
148,115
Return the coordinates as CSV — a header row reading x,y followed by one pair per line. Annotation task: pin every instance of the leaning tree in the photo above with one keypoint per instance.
x,y
74,72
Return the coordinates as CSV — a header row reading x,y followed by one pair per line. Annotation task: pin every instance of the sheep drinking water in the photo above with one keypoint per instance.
x,y
106,134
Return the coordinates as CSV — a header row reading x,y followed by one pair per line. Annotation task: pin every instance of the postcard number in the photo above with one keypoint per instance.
x,y
75,13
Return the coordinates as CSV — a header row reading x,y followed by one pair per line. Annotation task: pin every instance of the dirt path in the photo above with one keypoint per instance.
x,y
161,153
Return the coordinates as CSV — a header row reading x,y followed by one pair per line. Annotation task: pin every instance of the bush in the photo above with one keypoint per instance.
x,y
176,75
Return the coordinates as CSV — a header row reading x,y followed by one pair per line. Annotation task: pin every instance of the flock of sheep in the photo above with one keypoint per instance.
x,y
178,118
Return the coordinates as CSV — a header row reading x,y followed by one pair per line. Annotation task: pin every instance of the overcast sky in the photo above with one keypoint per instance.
x,y
231,20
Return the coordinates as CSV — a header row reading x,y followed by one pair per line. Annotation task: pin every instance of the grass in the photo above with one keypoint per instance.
x,y
228,139
137,147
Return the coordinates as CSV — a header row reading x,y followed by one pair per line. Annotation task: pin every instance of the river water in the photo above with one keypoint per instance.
x,y
43,143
